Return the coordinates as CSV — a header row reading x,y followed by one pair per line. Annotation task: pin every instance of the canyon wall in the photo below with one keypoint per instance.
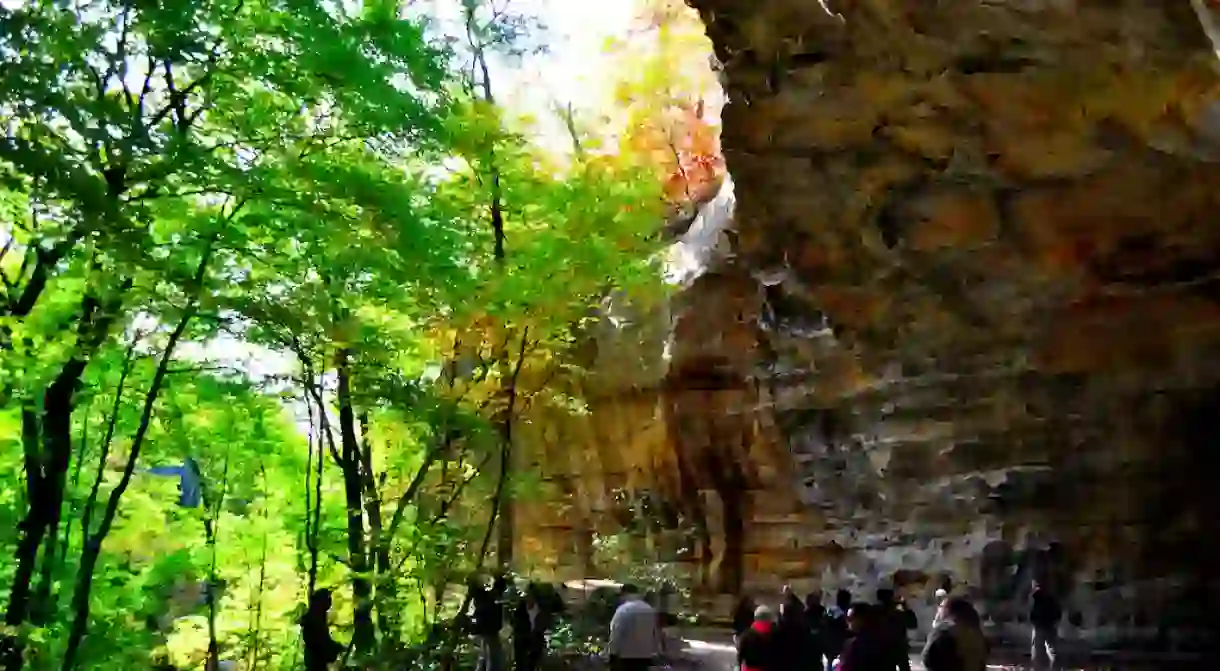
x,y
964,326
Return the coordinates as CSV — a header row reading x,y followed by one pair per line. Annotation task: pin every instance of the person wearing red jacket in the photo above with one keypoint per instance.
x,y
756,647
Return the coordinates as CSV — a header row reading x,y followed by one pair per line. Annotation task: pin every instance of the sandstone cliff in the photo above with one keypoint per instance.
x,y
965,326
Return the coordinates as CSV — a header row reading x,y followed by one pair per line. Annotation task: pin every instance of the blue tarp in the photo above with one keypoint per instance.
x,y
190,481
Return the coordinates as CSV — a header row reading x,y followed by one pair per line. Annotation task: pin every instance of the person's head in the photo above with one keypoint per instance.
x,y
320,600
843,599
941,595
787,591
885,596
530,596
962,611
746,601
813,601
629,592
1035,585
860,617
763,614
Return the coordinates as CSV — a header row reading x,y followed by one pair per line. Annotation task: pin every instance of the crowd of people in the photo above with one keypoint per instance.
x,y
874,636
803,635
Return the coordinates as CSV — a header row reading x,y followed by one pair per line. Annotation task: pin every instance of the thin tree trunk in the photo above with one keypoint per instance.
x,y
257,628
507,521
211,527
364,633
311,535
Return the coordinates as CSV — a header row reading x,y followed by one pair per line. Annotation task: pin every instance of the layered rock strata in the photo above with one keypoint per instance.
x,y
963,328
968,326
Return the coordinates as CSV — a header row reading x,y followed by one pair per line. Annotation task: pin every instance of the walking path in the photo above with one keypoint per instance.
x,y
713,651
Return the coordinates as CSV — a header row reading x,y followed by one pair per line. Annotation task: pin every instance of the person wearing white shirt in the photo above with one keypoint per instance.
x,y
941,597
635,633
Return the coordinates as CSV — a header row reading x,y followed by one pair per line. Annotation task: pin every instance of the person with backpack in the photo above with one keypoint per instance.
x,y
1044,615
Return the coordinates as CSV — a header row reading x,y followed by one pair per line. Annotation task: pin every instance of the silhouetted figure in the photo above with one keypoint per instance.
x,y
743,616
794,641
1044,615
488,620
957,642
835,628
867,648
757,648
530,624
893,622
320,649
815,619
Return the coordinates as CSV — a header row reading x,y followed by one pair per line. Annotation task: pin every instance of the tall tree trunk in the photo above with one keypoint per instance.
x,y
364,633
33,526
47,444
385,602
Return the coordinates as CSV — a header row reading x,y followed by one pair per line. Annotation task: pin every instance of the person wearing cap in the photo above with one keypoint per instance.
x,y
756,647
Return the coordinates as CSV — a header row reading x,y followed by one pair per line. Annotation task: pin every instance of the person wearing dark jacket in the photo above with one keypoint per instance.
x,y
957,642
757,648
743,616
815,619
834,628
530,624
794,641
488,620
1044,616
892,624
320,649
867,649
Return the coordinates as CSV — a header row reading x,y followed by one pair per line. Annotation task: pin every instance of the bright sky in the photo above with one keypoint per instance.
x,y
575,68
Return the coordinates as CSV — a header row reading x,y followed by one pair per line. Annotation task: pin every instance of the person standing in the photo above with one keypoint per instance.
x,y
1044,616
756,647
530,624
893,623
320,648
815,619
743,616
794,640
957,642
867,649
941,597
488,621
635,633
836,629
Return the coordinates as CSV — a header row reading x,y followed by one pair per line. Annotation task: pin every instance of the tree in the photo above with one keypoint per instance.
x,y
320,185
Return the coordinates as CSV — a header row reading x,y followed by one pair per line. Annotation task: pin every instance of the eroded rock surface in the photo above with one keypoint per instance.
x,y
973,300
965,324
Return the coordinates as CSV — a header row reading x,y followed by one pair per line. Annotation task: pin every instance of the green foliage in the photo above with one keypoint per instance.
x,y
252,235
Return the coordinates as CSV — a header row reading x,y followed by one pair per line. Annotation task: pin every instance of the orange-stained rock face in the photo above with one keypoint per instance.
x,y
1004,215
970,327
